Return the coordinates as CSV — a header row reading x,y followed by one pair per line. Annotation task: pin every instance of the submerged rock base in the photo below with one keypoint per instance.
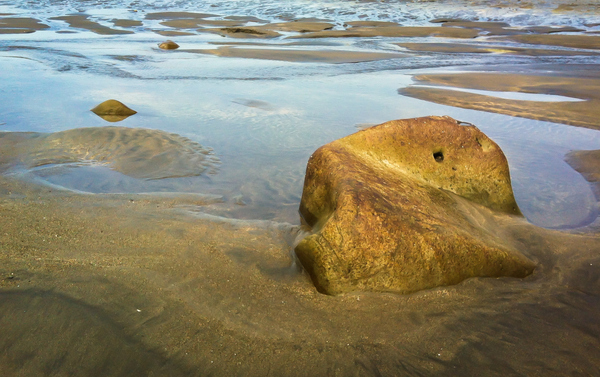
x,y
384,214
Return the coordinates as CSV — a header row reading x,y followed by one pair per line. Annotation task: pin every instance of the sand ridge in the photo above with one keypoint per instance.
x,y
139,153
583,113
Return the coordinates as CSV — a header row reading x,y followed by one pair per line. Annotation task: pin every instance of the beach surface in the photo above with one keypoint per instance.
x,y
163,243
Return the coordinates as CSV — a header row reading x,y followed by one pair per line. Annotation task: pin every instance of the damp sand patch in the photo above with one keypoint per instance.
x,y
458,48
136,152
178,15
588,164
83,22
573,41
127,23
484,27
195,23
20,25
173,33
243,32
267,31
299,26
393,31
263,105
494,28
583,113
304,56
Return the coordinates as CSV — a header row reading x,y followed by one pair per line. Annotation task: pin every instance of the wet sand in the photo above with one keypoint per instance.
x,y
458,48
583,113
18,25
574,41
588,164
82,22
290,55
394,31
133,283
139,153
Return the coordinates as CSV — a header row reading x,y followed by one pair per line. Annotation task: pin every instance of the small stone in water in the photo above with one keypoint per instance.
x,y
168,45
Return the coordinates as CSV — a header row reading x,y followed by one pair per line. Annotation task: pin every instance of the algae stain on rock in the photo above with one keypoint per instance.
x,y
384,207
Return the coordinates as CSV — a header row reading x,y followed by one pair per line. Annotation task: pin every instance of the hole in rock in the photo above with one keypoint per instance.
x,y
438,156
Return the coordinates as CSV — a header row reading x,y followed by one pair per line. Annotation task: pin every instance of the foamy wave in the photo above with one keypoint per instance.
x,y
415,12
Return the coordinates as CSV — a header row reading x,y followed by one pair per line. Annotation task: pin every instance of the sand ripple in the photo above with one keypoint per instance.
x,y
136,152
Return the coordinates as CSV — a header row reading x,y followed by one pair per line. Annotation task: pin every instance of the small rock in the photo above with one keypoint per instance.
x,y
113,110
169,45
112,107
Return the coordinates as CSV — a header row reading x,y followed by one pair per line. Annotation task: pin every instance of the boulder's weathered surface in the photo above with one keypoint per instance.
x,y
384,216
168,45
113,110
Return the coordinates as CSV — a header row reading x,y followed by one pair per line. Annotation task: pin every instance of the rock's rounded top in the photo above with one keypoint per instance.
x,y
113,107
442,152
168,45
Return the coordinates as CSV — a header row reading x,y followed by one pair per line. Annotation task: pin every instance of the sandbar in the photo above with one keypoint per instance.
x,y
574,41
488,27
82,22
20,25
173,33
126,23
490,49
194,23
306,56
394,31
243,32
588,164
177,15
580,113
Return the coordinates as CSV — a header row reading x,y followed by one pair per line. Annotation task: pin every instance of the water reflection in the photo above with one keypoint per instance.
x,y
264,144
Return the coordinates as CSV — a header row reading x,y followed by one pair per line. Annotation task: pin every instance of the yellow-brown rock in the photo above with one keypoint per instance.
x,y
384,210
169,45
113,111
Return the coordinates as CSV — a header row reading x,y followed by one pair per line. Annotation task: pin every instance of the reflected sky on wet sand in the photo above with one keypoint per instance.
x,y
264,148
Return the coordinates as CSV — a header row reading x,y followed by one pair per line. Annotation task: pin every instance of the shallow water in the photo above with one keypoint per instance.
x,y
263,149
261,120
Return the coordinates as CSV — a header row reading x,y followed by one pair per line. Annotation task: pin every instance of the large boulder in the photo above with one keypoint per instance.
x,y
383,208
